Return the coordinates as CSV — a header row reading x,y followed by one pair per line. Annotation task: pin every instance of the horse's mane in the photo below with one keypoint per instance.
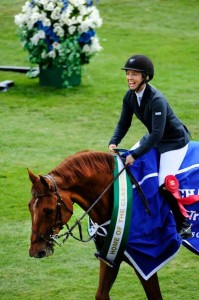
x,y
84,163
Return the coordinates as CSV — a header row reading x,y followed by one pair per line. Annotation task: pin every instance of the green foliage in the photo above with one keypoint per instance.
x,y
41,126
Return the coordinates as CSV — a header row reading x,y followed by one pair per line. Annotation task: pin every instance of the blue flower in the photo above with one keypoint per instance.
x,y
48,31
51,36
85,37
32,3
65,2
89,2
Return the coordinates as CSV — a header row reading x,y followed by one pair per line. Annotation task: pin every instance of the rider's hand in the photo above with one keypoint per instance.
x,y
129,160
112,147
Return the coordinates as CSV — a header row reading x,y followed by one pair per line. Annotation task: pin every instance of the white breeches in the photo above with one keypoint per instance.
x,y
170,161
135,146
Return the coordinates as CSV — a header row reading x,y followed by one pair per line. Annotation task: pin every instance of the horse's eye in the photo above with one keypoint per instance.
x,y
48,211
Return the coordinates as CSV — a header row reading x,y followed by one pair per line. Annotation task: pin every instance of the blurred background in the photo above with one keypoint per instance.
x,y
40,126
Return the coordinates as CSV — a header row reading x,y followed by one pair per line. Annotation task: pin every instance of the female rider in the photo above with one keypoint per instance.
x,y
165,130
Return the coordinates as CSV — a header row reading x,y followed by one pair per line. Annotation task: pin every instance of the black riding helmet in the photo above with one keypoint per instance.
x,y
142,64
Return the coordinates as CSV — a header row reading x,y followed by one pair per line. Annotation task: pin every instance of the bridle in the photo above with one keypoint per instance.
x,y
48,237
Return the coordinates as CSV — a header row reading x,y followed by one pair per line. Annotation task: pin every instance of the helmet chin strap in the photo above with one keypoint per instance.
x,y
139,86
144,81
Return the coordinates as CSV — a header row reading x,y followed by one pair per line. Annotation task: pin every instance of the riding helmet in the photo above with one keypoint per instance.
x,y
140,63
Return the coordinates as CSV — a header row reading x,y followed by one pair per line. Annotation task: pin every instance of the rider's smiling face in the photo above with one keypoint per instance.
x,y
134,78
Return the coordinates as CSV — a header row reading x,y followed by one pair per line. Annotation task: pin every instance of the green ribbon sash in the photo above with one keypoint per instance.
x,y
118,231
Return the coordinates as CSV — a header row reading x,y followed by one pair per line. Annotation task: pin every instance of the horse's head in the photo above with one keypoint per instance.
x,y
50,210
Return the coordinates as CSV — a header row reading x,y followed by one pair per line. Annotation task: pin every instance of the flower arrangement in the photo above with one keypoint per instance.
x,y
59,32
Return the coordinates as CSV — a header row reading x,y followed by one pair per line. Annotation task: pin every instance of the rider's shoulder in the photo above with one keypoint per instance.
x,y
155,93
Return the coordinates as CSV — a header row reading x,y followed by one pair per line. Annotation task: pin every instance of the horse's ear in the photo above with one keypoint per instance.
x,y
33,178
44,181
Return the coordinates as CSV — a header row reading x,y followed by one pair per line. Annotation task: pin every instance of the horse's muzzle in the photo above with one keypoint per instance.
x,y
40,253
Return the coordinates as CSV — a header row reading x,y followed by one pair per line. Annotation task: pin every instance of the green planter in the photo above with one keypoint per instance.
x,y
53,76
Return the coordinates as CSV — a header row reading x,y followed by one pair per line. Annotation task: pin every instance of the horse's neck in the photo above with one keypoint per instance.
x,y
86,191
101,211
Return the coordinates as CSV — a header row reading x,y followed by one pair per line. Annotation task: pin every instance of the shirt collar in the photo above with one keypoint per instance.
x,y
140,94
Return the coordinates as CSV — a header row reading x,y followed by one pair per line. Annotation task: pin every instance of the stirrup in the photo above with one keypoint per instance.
x,y
105,260
185,233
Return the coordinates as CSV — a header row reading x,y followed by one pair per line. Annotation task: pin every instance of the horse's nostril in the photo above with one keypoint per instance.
x,y
41,254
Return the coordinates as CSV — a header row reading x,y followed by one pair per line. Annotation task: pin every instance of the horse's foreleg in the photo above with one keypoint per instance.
x,y
151,287
107,277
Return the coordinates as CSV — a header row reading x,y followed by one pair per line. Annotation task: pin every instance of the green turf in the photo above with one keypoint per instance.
x,y
41,126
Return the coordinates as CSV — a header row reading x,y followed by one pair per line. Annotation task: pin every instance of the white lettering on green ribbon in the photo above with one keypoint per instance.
x,y
121,217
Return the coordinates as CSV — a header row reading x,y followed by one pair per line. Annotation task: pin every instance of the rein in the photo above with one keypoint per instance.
x,y
51,237
78,222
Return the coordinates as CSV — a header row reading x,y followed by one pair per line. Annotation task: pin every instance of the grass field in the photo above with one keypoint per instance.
x,y
41,126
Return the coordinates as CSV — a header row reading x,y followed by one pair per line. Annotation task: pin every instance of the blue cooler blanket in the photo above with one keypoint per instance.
x,y
153,240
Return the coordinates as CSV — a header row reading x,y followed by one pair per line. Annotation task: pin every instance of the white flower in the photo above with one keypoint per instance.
x,y
56,45
19,20
83,10
46,22
79,19
30,25
26,8
39,35
77,2
93,20
50,6
35,39
95,44
71,29
93,47
55,15
43,55
58,30
35,17
96,17
51,54
35,10
84,26
44,2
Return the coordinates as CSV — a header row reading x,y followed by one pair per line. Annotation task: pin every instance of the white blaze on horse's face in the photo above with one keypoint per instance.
x,y
43,214
34,210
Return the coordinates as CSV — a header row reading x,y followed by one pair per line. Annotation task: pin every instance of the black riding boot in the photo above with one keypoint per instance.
x,y
182,223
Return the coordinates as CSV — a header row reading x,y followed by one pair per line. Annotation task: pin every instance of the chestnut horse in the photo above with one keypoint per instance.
x,y
81,179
